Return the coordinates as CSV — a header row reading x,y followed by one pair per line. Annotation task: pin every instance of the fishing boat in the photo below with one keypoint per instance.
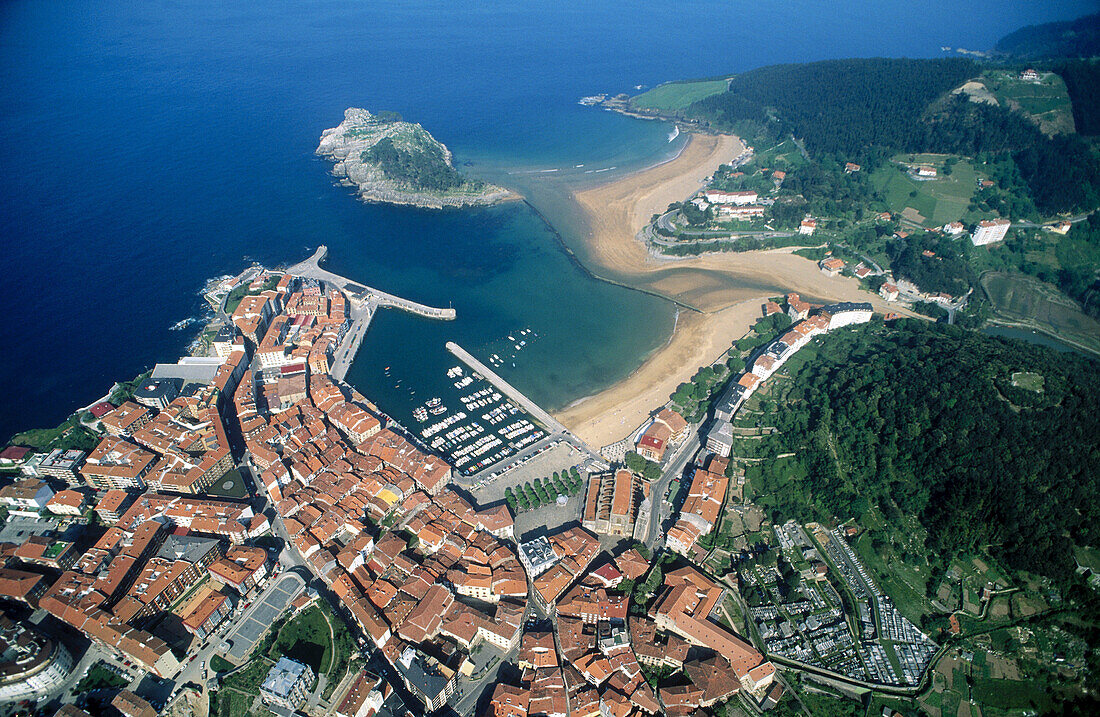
x,y
420,414
436,410
433,402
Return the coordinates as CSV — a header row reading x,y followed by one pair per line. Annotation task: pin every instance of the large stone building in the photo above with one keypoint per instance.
x,y
610,505
287,684
63,465
117,464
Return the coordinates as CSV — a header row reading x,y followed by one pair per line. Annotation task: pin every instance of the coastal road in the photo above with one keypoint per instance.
x,y
674,469
361,315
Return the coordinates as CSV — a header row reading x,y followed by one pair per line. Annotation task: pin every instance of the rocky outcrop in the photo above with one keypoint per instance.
x,y
348,145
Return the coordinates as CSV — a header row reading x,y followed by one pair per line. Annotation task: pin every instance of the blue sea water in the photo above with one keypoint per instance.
x,y
147,146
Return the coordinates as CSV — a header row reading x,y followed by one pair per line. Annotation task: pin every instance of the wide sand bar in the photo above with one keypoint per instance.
x,y
725,289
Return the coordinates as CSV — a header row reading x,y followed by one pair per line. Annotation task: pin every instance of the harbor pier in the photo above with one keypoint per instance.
x,y
365,300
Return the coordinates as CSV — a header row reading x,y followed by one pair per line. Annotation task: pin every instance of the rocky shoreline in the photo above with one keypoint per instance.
x,y
347,146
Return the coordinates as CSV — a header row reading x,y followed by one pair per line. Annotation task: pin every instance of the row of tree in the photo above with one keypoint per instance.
x,y
541,492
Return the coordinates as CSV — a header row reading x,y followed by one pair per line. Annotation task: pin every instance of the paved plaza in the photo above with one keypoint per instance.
x,y
557,458
252,627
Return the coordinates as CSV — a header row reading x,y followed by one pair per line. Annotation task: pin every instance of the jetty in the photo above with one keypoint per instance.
x,y
363,294
365,300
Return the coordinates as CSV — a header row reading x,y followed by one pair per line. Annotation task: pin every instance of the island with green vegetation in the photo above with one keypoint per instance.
x,y
897,163
399,162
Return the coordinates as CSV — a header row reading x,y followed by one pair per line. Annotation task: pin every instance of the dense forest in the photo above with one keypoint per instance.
x,y
1072,38
925,420
859,109
838,106
946,271
427,169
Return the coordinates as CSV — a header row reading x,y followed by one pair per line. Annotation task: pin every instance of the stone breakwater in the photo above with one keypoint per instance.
x,y
360,130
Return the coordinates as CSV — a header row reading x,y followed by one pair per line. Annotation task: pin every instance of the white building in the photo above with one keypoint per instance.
x,y
715,196
26,497
888,291
740,213
807,226
847,313
989,232
537,556
926,171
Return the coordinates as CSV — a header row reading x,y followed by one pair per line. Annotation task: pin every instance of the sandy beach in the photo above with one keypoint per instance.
x,y
726,289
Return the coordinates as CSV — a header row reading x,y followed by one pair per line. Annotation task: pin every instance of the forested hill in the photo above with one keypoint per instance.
x,y
839,105
1074,38
861,110
937,422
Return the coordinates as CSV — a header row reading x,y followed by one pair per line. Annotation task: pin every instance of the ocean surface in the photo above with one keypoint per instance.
x,y
145,147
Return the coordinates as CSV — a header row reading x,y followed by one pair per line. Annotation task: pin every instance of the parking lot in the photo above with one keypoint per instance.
x,y
263,615
543,465
17,529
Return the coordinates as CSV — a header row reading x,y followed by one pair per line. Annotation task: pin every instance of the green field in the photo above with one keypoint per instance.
x,y
100,678
69,434
1028,301
785,156
1028,380
1012,695
937,201
677,95
317,638
238,691
1045,102
1088,557
306,639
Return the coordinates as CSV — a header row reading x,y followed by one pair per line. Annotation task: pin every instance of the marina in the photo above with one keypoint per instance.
x,y
487,429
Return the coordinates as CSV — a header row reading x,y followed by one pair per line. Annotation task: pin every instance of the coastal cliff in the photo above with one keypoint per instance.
x,y
399,162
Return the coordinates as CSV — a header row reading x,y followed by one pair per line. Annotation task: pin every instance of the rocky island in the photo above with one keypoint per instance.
x,y
399,162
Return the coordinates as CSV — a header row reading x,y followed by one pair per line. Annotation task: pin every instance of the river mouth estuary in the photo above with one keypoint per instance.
x,y
194,132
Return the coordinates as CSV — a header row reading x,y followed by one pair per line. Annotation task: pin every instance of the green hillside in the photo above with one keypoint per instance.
x,y
926,203
675,96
